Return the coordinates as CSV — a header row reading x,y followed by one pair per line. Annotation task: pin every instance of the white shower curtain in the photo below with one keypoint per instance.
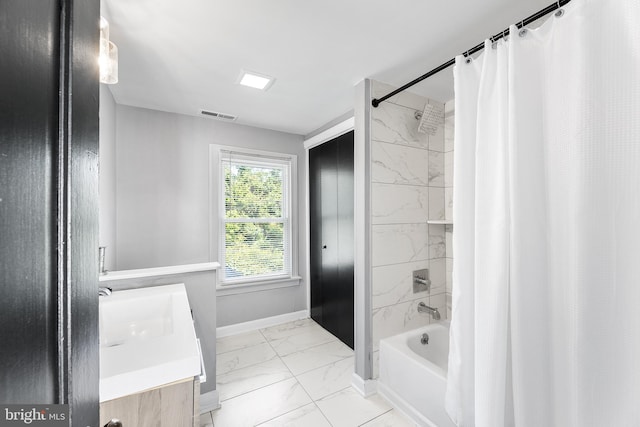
x,y
545,328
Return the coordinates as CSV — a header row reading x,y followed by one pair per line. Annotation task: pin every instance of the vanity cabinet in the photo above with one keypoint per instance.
x,y
172,405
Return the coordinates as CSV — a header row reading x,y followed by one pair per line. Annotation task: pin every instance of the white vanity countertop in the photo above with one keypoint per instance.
x,y
158,271
147,340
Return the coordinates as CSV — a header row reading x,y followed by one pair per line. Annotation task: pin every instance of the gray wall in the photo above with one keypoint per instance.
x,y
108,175
162,199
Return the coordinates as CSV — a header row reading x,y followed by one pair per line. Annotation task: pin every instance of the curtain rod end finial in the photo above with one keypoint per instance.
x,y
375,103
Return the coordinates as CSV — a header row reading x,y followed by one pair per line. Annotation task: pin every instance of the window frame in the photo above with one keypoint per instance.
x,y
218,155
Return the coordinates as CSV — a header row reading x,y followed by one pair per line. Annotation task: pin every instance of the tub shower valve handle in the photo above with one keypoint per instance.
x,y
114,423
422,280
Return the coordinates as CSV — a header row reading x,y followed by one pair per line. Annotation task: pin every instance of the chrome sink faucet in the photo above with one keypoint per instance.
x,y
423,308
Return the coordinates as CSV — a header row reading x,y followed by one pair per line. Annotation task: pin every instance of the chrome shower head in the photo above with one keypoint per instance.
x,y
430,118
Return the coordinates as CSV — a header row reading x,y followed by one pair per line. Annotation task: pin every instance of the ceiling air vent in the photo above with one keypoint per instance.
x,y
219,116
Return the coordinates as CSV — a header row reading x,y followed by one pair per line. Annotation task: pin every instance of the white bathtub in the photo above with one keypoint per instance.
x,y
413,376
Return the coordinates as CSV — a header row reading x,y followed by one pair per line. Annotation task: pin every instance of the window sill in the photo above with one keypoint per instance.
x,y
257,286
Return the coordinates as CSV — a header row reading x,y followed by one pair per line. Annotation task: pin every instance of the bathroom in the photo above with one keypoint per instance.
x,y
155,187
264,357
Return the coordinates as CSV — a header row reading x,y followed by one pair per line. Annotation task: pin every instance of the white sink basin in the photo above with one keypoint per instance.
x,y
146,340
135,318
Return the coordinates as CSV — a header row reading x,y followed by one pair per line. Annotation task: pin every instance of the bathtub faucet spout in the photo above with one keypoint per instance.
x,y
423,308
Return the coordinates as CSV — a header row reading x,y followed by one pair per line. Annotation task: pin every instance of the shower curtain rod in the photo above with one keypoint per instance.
x,y
547,10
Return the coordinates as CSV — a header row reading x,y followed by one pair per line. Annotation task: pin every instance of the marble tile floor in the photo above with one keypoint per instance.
x,y
296,375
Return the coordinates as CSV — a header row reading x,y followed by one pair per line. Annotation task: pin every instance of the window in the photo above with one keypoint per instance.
x,y
255,225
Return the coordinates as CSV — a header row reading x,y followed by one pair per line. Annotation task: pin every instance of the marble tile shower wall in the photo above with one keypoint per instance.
x,y
449,127
407,188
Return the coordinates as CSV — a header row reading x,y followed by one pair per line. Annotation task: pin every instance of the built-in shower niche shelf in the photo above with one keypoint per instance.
x,y
440,221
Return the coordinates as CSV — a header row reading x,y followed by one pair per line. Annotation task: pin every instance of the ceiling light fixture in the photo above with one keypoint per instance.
x,y
255,80
108,58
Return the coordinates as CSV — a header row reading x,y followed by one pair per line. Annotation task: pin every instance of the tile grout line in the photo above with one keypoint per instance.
x,y
249,366
294,376
322,413
411,144
376,417
241,348
301,386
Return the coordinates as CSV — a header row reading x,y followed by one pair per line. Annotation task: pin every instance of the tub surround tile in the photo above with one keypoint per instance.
x,y
438,275
449,127
262,405
347,408
440,302
316,357
436,141
449,274
436,203
392,418
448,169
242,358
448,203
240,341
436,169
251,378
392,284
437,248
393,244
328,379
449,106
411,180
397,125
392,320
399,204
394,164
307,416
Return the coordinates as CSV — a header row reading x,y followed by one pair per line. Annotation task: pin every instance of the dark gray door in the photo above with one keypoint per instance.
x,y
331,236
48,204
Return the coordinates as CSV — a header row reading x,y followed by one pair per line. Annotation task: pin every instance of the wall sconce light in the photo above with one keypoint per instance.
x,y
108,58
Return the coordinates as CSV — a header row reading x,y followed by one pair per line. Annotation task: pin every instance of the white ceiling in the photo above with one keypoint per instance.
x,y
185,56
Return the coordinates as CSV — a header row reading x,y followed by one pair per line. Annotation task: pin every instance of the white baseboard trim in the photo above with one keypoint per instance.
x,y
238,328
401,405
365,387
209,401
